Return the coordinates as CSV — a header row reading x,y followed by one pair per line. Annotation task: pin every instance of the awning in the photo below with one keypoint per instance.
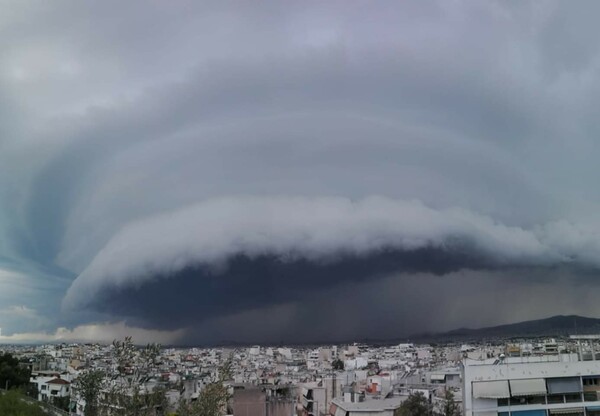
x,y
340,412
528,387
538,412
438,377
491,389
567,411
563,385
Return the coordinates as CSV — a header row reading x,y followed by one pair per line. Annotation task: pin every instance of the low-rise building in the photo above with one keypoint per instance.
x,y
382,407
50,386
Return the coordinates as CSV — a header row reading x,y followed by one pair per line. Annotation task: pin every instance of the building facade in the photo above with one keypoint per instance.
x,y
531,386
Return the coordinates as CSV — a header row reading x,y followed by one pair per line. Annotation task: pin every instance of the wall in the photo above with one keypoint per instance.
x,y
249,402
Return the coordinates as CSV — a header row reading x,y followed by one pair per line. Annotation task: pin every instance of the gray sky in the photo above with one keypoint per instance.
x,y
206,171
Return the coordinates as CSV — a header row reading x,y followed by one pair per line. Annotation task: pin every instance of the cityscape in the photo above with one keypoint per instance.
x,y
520,376
299,208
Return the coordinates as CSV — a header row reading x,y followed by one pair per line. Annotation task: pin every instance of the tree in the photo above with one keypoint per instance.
x,y
13,375
126,396
212,400
415,405
451,408
89,385
121,387
31,390
337,364
136,402
134,364
62,403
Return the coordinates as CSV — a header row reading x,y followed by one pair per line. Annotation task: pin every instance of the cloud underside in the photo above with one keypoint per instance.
x,y
234,255
393,306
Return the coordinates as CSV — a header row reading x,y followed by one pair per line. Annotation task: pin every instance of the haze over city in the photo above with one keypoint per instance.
x,y
200,172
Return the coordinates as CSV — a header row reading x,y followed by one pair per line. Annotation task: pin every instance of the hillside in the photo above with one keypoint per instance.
x,y
555,325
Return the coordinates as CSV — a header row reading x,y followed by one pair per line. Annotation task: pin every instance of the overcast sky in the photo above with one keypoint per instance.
x,y
197,172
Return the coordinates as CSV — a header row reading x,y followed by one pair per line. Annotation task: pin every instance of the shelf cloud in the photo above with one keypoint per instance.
x,y
222,169
234,254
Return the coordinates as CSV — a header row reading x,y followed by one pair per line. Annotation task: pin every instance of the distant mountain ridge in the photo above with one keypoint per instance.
x,y
555,325
559,325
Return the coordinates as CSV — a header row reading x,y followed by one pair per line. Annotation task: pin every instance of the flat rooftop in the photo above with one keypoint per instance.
x,y
373,405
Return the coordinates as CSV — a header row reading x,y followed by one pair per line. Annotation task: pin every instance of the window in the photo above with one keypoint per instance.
x,y
564,385
565,398
516,401
572,398
555,398
524,400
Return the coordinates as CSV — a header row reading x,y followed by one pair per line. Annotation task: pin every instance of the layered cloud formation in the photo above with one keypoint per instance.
x,y
316,230
235,172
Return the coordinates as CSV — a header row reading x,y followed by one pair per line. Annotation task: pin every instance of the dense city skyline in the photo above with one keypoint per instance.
x,y
193,172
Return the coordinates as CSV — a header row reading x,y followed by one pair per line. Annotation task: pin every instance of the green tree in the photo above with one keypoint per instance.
x,y
451,408
212,400
136,402
124,395
13,375
415,405
225,370
337,364
31,390
62,403
89,386
134,365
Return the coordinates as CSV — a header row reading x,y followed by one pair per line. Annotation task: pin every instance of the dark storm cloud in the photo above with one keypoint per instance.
x,y
201,293
227,256
150,148
401,305
212,232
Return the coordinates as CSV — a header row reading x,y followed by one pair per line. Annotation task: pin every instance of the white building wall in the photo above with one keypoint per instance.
x,y
523,368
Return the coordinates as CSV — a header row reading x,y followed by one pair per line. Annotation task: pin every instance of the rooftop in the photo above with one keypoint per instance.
x,y
370,405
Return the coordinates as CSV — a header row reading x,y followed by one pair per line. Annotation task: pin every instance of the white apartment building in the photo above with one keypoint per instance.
x,y
531,386
50,388
313,399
